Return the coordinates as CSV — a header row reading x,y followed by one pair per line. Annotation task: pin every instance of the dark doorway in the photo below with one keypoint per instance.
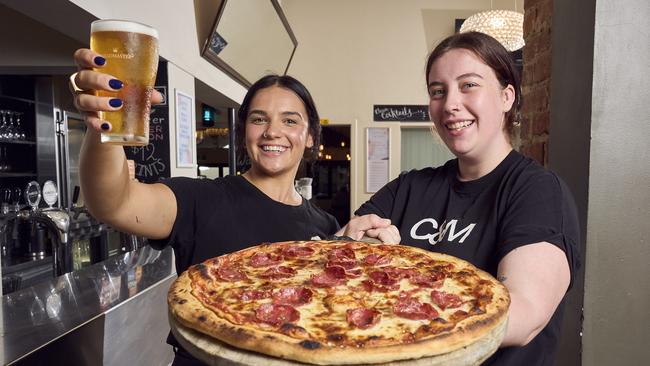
x,y
330,171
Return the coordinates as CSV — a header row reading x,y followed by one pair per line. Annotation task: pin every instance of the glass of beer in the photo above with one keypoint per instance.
x,y
131,53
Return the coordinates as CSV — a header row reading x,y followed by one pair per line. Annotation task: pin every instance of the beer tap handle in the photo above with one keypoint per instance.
x,y
15,198
75,196
14,229
6,195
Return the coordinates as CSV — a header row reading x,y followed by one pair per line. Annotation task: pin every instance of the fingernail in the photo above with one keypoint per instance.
x,y
115,84
115,102
99,61
105,126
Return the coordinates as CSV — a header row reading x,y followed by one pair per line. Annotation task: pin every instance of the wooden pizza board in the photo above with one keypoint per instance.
x,y
216,353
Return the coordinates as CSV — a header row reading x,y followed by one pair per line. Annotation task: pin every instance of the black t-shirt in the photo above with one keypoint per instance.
x,y
481,221
220,216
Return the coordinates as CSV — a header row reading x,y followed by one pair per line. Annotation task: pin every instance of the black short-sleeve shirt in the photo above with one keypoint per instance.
x,y
481,221
224,215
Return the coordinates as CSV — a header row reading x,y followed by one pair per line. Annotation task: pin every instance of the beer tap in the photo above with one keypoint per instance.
x,y
55,219
17,192
5,218
6,198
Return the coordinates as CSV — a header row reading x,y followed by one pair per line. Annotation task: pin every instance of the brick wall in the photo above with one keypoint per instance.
x,y
536,80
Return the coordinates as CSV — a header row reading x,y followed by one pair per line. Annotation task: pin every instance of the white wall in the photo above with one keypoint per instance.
x,y
176,25
353,54
617,279
26,43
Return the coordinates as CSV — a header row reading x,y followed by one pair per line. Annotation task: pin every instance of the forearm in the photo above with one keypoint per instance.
x,y
103,176
524,322
537,277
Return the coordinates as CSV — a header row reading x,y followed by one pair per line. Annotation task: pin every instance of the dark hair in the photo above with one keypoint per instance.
x,y
286,82
494,55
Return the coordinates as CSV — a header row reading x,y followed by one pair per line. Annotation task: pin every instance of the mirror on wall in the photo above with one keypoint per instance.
x,y
249,39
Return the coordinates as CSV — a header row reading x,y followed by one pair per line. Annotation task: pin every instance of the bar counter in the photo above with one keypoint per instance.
x,y
107,313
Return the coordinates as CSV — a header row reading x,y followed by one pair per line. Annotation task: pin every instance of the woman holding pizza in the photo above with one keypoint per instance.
x,y
491,205
201,218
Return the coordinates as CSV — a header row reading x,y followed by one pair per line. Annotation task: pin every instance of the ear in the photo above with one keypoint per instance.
x,y
508,97
310,141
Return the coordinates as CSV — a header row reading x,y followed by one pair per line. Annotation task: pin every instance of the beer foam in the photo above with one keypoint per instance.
x,y
113,25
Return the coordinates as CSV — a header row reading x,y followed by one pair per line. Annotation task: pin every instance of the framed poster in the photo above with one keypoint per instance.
x,y
377,157
184,136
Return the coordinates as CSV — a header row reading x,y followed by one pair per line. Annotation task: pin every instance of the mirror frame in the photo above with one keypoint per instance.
x,y
214,58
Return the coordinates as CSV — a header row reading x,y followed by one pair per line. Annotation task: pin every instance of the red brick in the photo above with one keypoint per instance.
x,y
526,130
542,68
545,12
544,39
532,44
530,3
536,151
536,100
529,19
540,123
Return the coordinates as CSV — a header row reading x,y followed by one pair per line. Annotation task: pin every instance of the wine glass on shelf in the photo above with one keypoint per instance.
x,y
4,160
11,129
3,126
19,133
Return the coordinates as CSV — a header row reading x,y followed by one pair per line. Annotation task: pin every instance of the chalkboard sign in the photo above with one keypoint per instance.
x,y
401,113
152,161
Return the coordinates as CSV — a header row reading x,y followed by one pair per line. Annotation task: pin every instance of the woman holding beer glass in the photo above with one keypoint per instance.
x,y
202,218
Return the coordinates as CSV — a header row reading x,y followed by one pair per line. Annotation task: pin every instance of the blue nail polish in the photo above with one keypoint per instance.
x,y
105,126
99,61
115,102
115,84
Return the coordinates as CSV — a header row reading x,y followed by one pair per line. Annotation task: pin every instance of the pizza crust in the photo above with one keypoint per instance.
x,y
216,353
188,312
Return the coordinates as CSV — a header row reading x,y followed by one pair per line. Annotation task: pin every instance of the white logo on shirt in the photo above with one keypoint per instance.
x,y
437,237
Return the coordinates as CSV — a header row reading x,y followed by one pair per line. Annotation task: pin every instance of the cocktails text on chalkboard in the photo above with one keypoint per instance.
x,y
401,113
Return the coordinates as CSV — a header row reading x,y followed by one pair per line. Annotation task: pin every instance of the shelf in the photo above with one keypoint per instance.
x,y
16,175
18,99
18,142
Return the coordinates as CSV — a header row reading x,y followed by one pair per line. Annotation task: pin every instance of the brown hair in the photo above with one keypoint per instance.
x,y
494,55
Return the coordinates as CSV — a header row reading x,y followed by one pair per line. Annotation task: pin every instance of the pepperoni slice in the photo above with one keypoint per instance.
x,y
354,273
399,273
446,300
275,273
412,308
264,259
337,272
230,274
376,260
297,251
347,264
332,276
382,278
370,286
295,296
249,295
424,280
363,318
276,314
342,253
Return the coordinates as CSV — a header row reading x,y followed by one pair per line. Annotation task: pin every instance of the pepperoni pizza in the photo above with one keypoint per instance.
x,y
340,302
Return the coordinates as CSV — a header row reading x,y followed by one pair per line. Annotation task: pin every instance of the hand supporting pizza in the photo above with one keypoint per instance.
x,y
340,302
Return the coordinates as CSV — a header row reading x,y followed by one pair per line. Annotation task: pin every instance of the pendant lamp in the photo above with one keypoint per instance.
x,y
506,26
